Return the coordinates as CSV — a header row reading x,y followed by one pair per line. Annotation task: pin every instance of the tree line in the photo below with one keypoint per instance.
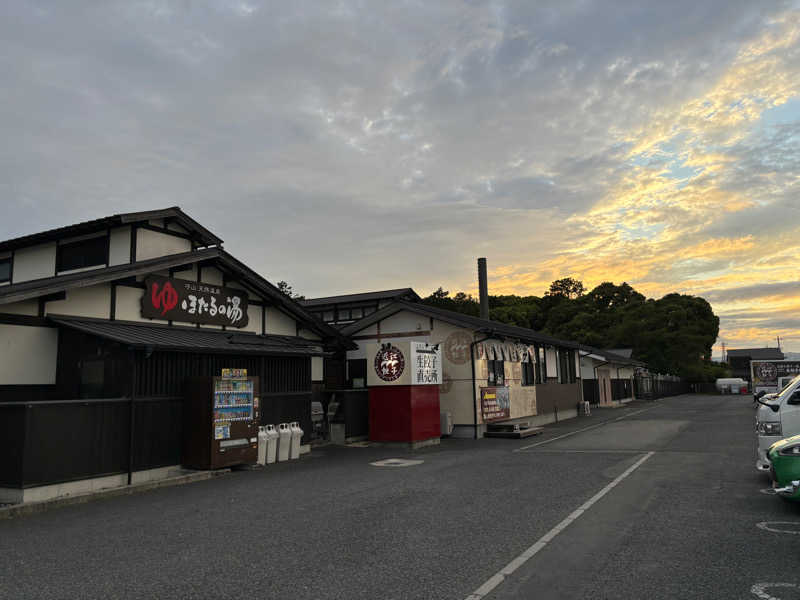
x,y
673,334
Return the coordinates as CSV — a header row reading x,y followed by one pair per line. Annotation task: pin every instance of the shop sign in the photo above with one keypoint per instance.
x,y
171,299
768,373
495,404
389,363
427,363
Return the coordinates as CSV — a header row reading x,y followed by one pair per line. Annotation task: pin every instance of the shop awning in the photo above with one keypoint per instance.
x,y
191,339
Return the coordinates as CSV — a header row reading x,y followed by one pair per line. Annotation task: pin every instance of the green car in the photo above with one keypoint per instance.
x,y
784,458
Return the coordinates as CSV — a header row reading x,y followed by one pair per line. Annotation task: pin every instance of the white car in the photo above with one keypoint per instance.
x,y
777,417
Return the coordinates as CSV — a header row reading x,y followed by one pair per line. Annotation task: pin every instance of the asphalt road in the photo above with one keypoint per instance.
x,y
672,506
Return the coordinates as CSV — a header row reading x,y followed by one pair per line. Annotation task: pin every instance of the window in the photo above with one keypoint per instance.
x,y
528,372
497,374
566,366
369,310
85,253
5,269
356,313
327,316
343,314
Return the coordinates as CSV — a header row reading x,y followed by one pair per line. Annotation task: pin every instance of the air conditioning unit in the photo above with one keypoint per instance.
x,y
446,419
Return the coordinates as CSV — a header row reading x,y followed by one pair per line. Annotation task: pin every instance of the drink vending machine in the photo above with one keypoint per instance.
x,y
221,418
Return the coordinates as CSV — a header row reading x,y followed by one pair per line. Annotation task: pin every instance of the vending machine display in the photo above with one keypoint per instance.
x,y
221,418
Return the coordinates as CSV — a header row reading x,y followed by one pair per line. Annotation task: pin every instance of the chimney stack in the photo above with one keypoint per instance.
x,y
483,289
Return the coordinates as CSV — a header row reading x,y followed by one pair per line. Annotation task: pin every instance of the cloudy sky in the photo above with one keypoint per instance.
x,y
351,146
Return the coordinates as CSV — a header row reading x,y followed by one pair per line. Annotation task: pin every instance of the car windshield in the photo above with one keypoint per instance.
x,y
786,387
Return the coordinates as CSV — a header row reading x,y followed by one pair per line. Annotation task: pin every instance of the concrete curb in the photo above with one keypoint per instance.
x,y
32,508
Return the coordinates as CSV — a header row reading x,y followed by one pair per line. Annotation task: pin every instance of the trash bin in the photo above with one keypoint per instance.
x,y
272,443
262,445
297,434
284,440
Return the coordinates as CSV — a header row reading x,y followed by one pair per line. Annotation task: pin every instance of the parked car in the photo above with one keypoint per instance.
x,y
784,458
776,419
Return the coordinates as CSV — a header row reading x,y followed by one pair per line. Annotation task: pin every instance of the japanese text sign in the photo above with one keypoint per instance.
x,y
495,404
171,299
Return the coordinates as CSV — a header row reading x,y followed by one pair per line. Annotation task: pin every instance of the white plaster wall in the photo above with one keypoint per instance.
x,y
94,301
371,330
28,355
317,368
152,244
254,320
624,373
26,307
587,367
403,322
189,274
279,322
129,304
35,262
119,246
211,276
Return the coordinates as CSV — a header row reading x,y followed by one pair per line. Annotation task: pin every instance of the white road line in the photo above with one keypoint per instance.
x,y
561,437
498,578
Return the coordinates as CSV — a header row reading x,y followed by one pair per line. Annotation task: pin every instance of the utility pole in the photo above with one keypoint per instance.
x,y
723,351
779,342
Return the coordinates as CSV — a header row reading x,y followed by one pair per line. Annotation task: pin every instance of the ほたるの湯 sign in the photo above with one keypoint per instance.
x,y
171,299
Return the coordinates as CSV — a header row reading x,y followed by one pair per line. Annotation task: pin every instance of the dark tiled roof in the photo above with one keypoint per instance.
x,y
612,356
253,281
362,297
626,352
190,339
757,353
49,285
461,320
175,214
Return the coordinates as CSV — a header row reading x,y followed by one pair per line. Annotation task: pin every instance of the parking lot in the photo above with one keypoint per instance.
x,y
654,500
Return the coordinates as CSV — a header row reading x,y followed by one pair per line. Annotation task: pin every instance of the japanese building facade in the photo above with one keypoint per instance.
x,y
126,307
542,374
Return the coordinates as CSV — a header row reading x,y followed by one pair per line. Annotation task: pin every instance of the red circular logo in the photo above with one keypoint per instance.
x,y
389,363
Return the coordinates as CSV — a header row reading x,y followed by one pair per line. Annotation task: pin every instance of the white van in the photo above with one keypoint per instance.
x,y
777,417
730,385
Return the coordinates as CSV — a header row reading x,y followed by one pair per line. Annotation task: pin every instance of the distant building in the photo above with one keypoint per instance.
x,y
349,308
739,360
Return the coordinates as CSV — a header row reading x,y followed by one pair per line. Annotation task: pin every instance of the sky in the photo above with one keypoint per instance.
x,y
353,146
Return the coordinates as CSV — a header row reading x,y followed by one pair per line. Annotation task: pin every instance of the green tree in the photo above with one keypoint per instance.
x,y
566,288
285,288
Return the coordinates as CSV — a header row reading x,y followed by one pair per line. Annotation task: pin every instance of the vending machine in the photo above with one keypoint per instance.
x,y
220,420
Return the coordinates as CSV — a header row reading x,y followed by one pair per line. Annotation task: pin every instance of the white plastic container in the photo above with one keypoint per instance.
x,y
284,441
262,445
272,443
297,434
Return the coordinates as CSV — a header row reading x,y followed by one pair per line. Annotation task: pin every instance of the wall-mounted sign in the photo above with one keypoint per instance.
x,y
179,300
427,364
770,374
495,404
456,347
389,363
